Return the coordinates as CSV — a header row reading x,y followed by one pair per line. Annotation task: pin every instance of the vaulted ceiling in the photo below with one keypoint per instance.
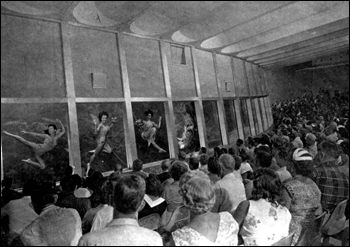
x,y
267,33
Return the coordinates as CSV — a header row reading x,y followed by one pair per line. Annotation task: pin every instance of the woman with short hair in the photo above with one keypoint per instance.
x,y
205,228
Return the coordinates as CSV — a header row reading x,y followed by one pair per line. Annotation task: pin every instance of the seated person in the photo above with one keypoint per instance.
x,y
153,202
165,171
137,167
124,229
54,226
100,213
262,219
205,228
171,191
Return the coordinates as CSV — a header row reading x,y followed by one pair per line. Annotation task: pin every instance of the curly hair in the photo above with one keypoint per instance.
x,y
267,185
101,114
153,185
197,191
177,169
214,166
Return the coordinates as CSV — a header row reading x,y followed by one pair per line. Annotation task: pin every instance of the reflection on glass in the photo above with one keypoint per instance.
x,y
113,152
212,123
255,117
150,131
231,121
186,126
263,113
245,118
31,122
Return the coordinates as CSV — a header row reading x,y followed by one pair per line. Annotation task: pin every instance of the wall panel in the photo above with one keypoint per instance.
x,y
206,73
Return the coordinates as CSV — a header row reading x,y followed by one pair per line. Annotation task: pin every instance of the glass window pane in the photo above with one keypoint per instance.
x,y
245,118
212,123
231,121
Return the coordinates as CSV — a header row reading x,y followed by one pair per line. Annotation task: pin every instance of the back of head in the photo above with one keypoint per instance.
x,y
203,159
330,149
103,189
182,155
43,194
238,162
68,184
165,165
137,165
119,168
77,180
177,169
214,166
194,163
28,187
267,185
227,162
203,150
264,159
302,162
153,185
239,142
128,193
197,191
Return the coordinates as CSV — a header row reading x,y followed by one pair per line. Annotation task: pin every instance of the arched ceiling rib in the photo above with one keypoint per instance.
x,y
267,33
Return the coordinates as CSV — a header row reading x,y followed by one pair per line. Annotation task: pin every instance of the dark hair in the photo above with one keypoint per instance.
x,y
345,147
77,180
177,169
137,165
330,148
101,114
238,162
50,125
68,184
101,193
92,182
267,185
165,164
303,167
149,111
193,163
244,156
239,142
29,187
214,166
68,171
203,150
128,193
7,182
264,159
153,185
43,194
203,159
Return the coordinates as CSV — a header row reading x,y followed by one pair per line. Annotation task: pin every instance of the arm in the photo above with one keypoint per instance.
x,y
33,134
63,129
160,122
241,212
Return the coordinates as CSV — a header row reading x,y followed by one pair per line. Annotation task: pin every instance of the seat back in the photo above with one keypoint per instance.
x,y
286,241
179,218
151,221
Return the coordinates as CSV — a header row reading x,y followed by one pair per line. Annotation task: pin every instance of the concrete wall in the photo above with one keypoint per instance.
x,y
82,70
331,72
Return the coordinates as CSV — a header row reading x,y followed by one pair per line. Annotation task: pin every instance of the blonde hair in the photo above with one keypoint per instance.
x,y
197,191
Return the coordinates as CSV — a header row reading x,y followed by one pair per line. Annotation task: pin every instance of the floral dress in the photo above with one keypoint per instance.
x,y
305,199
227,234
265,223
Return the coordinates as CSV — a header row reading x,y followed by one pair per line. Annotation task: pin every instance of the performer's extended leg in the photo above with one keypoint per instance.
x,y
40,163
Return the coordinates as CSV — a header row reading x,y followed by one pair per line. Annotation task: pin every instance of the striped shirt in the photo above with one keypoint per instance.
x,y
333,183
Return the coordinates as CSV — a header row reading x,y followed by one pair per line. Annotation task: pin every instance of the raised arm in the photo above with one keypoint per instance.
x,y
160,122
63,129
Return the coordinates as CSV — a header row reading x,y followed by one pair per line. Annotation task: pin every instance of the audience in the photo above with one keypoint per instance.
x,y
205,228
262,219
124,229
54,225
137,167
165,165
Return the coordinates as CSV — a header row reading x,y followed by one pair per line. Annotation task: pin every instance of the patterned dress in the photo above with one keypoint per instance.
x,y
265,223
305,199
226,235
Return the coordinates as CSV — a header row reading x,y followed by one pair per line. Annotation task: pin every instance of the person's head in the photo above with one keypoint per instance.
x,y
239,142
214,166
43,195
92,181
68,170
177,169
118,169
203,150
129,192
68,184
101,193
165,165
345,147
244,156
263,159
310,139
302,162
103,116
137,165
197,191
238,162
231,151
28,187
182,156
51,129
203,159
328,150
193,163
217,151
227,162
149,114
153,185
77,180
7,182
223,151
267,185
